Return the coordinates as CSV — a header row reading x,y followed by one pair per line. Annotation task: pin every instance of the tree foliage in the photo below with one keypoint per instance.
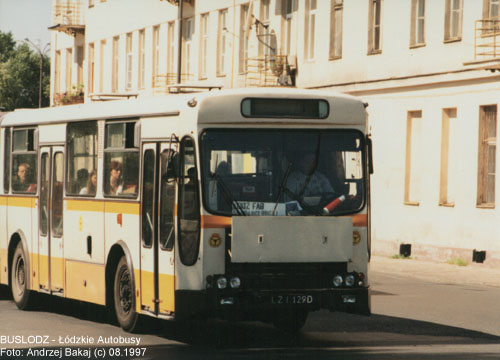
x,y
20,75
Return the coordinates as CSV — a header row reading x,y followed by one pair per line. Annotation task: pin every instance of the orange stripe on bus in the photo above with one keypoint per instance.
x,y
213,221
360,220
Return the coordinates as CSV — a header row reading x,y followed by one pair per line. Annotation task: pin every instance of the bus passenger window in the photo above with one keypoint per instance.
x,y
121,160
167,200
57,196
6,175
82,158
148,198
24,162
189,205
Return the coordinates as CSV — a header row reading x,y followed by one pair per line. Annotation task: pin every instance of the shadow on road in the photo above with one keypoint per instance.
x,y
325,335
5,293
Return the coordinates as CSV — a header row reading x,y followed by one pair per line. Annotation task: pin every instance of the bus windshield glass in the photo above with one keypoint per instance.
x,y
271,172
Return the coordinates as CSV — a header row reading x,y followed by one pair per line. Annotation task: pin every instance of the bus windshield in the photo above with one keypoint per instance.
x,y
269,172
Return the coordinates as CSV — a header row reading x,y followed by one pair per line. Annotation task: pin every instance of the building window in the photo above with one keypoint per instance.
x,y
374,31
156,50
336,29
487,156
243,40
449,163
101,67
116,59
263,30
69,69
310,26
222,43
288,7
490,9
491,15
414,163
417,33
171,48
187,53
453,20
204,46
142,58
79,63
57,74
91,68
129,60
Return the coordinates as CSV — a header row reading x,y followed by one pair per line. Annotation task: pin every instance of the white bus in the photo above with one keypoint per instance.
x,y
241,204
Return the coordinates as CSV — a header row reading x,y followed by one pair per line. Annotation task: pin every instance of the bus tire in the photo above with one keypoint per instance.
x,y
124,296
290,321
19,280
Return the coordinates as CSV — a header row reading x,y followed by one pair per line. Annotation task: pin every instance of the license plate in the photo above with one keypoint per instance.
x,y
292,299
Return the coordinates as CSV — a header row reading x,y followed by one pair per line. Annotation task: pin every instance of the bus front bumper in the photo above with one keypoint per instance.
x,y
248,303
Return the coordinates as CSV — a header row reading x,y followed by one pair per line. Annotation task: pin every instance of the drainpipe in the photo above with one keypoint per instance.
x,y
179,52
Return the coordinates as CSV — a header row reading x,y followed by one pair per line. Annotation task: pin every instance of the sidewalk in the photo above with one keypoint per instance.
x,y
442,273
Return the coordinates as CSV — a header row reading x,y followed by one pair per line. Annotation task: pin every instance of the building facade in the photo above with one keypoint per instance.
x,y
427,68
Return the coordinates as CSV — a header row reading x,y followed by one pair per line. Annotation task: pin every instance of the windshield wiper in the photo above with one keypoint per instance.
x,y
227,195
282,187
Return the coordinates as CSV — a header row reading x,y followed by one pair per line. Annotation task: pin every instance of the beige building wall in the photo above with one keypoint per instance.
x,y
425,87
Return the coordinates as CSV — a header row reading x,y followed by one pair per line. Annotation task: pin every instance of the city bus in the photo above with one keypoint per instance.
x,y
233,204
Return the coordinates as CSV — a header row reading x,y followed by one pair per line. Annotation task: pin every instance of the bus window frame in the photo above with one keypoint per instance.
x,y
181,183
35,152
67,159
137,144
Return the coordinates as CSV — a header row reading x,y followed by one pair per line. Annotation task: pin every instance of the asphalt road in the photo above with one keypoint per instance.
x,y
412,319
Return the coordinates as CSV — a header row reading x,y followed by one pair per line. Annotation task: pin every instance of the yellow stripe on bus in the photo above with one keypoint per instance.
x,y
3,201
122,208
85,205
4,273
28,202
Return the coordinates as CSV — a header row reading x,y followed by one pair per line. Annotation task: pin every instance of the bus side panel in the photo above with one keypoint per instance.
x,y
121,222
84,250
3,241
19,215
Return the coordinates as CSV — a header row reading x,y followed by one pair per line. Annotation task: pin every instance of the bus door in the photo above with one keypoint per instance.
x,y
157,229
50,238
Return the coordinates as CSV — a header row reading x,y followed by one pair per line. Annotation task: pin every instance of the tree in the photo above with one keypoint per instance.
x,y
20,75
7,45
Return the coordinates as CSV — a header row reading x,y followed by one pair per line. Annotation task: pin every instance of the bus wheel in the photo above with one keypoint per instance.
x,y
124,297
19,279
290,321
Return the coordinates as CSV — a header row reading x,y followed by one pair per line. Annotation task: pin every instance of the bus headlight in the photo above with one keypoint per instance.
x,y
235,282
222,282
349,280
337,280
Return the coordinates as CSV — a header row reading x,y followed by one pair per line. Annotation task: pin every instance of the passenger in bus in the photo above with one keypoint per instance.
x,y
22,182
305,180
115,186
91,187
